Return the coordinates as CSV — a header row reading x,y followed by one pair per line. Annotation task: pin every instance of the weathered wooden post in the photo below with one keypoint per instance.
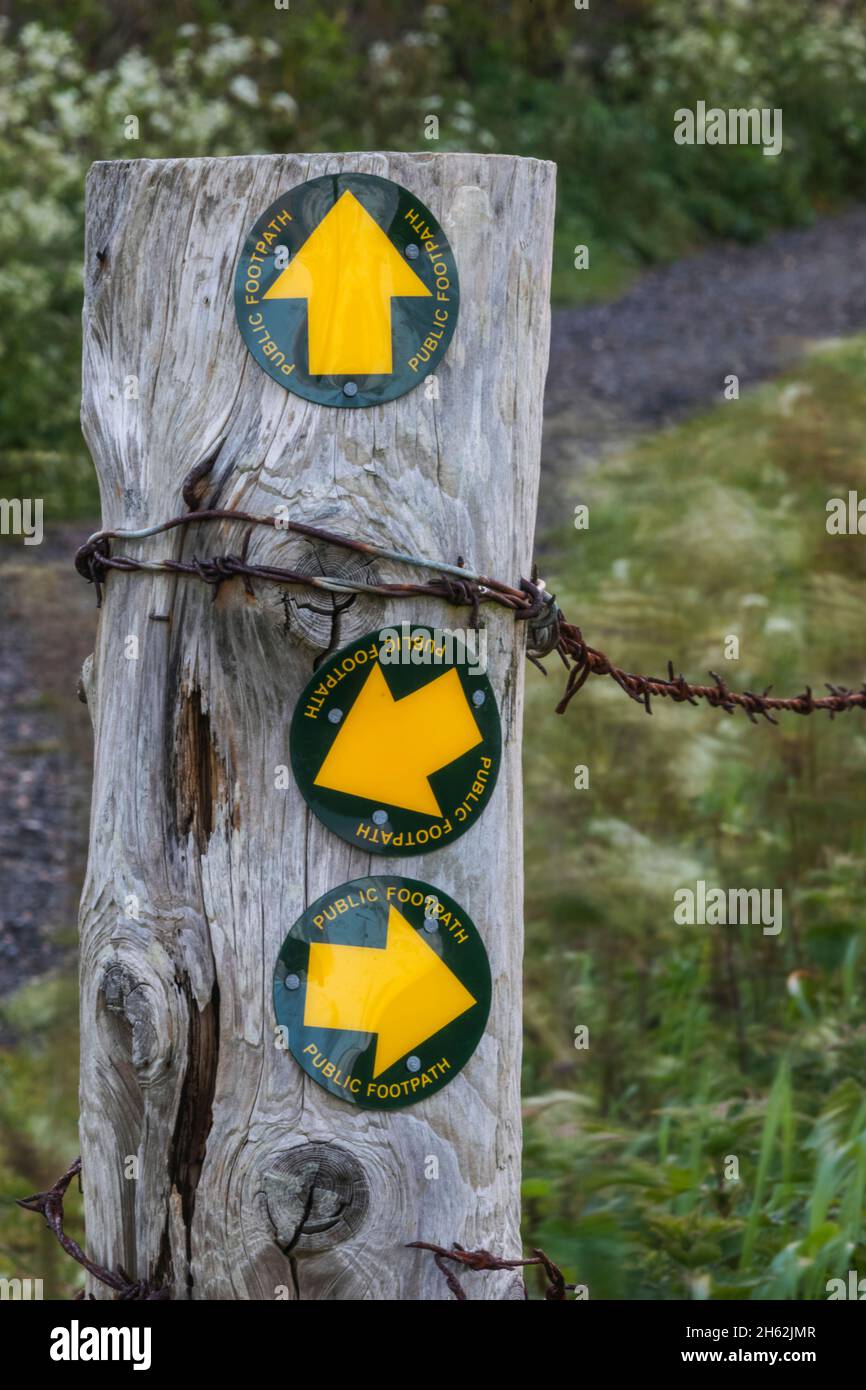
x,y
211,1163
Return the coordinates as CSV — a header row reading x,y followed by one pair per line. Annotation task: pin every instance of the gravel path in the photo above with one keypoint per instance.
x,y
651,357
47,623
664,349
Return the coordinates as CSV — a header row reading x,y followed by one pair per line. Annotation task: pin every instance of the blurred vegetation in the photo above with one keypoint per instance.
x,y
39,1128
595,90
704,1042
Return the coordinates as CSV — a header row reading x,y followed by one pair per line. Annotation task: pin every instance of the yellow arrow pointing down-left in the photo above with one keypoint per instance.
x,y
404,993
387,749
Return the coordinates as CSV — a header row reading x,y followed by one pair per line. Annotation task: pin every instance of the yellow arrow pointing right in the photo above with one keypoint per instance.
x,y
404,993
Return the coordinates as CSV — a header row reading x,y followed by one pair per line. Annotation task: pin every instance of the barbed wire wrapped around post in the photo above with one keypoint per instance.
x,y
50,1205
547,629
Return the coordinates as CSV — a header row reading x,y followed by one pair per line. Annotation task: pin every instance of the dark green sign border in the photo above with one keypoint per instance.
x,y
334,689
275,331
351,1055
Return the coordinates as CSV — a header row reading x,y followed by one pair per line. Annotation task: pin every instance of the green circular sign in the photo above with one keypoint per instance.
x,y
383,989
346,291
395,742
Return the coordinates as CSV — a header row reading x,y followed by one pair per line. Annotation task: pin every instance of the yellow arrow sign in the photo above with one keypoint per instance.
x,y
404,993
386,749
348,271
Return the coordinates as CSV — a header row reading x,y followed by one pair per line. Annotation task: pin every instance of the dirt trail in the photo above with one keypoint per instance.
x,y
658,353
663,350
47,621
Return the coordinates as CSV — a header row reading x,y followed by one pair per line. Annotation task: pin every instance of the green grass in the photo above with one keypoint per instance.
x,y
38,1125
712,1049
610,271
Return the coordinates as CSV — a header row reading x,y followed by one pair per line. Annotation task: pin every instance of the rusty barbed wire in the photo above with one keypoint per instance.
x,y
481,1260
530,601
586,662
50,1205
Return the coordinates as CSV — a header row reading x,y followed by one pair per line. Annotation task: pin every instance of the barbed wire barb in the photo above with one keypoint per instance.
x,y
49,1204
483,1260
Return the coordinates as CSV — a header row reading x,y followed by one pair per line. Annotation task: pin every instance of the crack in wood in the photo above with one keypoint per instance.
x,y
195,1107
198,772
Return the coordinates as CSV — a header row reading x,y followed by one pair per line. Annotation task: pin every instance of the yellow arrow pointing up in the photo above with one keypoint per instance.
x,y
405,993
349,272
386,749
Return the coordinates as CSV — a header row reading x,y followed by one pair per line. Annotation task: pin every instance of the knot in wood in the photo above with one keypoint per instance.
x,y
317,1196
325,620
125,999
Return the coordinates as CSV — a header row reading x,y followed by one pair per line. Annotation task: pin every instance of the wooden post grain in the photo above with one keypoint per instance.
x,y
210,1163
